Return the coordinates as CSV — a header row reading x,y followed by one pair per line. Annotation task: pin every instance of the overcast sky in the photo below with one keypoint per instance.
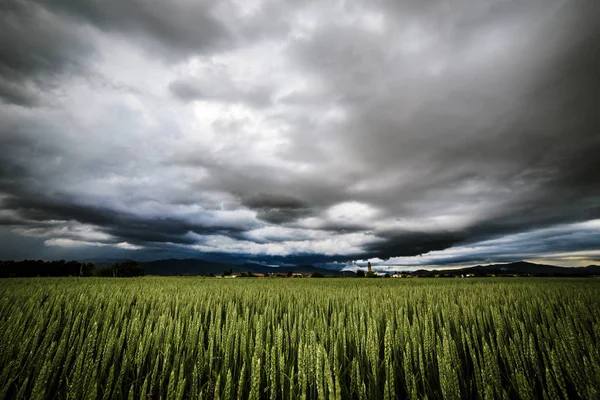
x,y
409,132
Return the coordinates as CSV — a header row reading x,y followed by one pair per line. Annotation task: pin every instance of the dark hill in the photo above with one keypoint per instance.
x,y
592,269
196,266
520,268
190,266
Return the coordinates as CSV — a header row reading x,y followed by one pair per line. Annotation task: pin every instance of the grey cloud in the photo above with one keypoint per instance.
x,y
252,183
551,244
186,91
17,94
36,175
35,46
256,95
40,41
127,226
265,200
481,113
407,243
531,145
177,27
277,209
36,183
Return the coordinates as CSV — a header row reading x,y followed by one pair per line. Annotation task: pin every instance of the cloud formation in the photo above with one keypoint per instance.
x,y
394,131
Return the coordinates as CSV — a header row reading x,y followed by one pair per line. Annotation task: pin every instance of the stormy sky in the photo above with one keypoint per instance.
x,y
409,132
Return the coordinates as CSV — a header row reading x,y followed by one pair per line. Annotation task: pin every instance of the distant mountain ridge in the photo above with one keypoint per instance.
x,y
522,268
197,266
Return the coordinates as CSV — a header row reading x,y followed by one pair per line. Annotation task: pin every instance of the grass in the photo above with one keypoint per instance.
x,y
192,338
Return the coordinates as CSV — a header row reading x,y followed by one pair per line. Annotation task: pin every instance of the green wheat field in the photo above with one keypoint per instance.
x,y
206,338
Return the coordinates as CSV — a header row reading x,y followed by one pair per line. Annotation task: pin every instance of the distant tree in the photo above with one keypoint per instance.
x,y
290,274
360,273
387,275
317,274
371,274
128,269
123,269
86,269
28,268
104,272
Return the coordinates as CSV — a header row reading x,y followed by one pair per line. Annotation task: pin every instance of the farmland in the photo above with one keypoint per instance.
x,y
180,338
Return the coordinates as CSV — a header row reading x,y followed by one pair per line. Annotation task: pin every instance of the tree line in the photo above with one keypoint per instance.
x,y
32,268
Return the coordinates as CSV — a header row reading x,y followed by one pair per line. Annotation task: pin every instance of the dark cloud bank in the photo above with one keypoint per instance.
x,y
395,130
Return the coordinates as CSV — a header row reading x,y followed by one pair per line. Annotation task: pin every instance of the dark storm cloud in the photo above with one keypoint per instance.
x,y
29,166
551,245
177,27
536,150
35,45
277,209
16,94
400,127
558,140
258,182
270,201
403,244
220,90
34,211
40,40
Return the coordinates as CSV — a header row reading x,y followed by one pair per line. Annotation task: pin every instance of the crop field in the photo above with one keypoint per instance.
x,y
206,338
